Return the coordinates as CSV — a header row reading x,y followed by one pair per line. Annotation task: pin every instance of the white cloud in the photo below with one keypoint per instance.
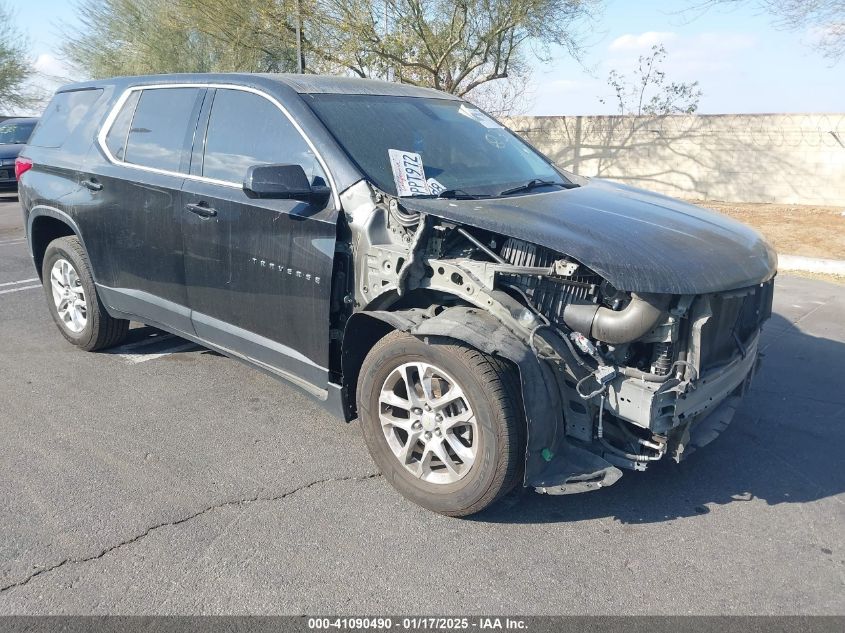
x,y
642,42
50,66
688,58
50,74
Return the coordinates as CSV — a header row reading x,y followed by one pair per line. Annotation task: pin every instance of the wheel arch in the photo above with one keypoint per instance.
x,y
367,327
45,225
362,331
474,327
550,460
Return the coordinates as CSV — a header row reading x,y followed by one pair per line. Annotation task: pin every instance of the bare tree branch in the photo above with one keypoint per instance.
x,y
823,19
649,92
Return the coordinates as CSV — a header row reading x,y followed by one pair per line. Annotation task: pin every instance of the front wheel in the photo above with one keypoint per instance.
x,y
72,297
442,421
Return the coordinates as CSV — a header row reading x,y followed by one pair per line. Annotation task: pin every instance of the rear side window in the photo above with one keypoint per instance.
x,y
245,129
119,132
160,126
64,113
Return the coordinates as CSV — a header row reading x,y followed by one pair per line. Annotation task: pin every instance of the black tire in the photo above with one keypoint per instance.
x,y
101,329
491,387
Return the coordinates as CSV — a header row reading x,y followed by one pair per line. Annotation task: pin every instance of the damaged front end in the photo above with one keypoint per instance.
x,y
611,379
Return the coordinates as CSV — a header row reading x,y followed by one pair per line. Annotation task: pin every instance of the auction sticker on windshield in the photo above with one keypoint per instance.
x,y
408,173
478,115
435,187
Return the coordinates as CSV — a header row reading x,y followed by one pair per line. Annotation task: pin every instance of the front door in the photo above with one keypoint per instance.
x,y
258,272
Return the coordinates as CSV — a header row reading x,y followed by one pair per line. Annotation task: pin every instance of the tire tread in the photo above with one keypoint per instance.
x,y
500,382
106,330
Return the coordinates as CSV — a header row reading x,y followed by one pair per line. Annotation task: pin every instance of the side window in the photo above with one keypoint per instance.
x,y
246,129
119,132
63,114
159,127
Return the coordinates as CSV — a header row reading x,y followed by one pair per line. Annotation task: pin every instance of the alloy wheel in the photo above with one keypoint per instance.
x,y
69,296
428,423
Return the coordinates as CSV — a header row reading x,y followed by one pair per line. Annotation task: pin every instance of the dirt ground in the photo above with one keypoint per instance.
x,y
809,231
828,277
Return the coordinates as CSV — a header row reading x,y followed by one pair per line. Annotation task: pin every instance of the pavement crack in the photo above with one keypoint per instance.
x,y
217,506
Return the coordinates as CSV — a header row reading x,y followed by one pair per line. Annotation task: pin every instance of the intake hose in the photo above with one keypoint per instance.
x,y
616,327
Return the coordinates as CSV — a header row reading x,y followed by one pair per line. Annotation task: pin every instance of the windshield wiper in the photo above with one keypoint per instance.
x,y
458,194
534,183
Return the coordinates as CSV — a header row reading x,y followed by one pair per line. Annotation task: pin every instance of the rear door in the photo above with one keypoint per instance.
x,y
258,272
137,189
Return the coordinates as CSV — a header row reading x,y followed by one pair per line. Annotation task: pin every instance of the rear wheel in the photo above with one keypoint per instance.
x,y
72,298
442,421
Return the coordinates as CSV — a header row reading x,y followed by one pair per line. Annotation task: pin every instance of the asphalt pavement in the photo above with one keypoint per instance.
x,y
161,478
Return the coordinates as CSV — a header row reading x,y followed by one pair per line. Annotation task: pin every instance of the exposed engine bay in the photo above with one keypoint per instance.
x,y
612,378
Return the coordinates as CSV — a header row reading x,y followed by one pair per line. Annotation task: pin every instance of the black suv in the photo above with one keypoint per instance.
x,y
407,260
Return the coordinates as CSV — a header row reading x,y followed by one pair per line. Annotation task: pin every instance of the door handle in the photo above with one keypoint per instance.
x,y
201,209
92,184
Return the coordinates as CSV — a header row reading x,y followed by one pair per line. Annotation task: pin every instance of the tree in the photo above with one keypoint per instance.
x,y
451,45
15,66
456,46
824,18
649,92
137,37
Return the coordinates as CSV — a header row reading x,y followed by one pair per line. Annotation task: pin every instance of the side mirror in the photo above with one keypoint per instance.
x,y
278,181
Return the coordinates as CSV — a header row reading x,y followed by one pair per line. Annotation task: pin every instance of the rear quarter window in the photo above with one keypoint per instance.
x,y
119,132
63,115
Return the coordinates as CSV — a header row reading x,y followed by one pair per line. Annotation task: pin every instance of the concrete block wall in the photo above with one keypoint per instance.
x,y
782,158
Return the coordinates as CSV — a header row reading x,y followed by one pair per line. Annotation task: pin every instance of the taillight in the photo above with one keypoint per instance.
x,y
22,165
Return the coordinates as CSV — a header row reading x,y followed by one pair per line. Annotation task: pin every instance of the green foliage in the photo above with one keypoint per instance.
x,y
137,37
649,92
15,66
453,45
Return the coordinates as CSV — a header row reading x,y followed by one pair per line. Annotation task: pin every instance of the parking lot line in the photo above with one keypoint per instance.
x,y
127,348
8,242
3,292
168,344
15,283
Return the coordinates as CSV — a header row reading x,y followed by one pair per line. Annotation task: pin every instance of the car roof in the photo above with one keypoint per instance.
x,y
302,84
330,84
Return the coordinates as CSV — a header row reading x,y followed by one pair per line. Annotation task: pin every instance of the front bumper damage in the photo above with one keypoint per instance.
x,y
537,309
563,459
671,418
691,413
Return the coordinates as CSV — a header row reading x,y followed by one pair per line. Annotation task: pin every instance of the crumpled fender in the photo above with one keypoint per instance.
x,y
553,464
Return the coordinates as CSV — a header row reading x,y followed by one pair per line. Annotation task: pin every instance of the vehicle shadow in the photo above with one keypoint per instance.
x,y
783,446
144,340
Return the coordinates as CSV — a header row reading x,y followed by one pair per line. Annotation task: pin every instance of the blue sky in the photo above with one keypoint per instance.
x,y
742,62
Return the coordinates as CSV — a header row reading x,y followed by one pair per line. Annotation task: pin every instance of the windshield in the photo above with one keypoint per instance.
x,y
419,146
15,133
